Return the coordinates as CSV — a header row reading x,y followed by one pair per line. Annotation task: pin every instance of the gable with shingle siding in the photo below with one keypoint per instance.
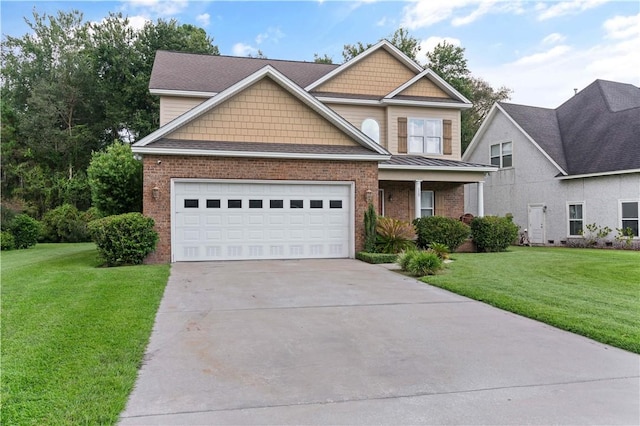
x,y
377,74
424,87
263,112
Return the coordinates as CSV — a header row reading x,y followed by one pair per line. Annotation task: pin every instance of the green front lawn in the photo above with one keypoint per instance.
x,y
73,333
595,293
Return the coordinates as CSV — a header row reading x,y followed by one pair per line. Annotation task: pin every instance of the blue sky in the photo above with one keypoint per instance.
x,y
540,49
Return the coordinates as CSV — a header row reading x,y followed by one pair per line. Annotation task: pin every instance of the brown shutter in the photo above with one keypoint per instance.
x,y
447,148
402,135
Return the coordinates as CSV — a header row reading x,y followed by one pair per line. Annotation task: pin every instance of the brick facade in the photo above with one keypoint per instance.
x,y
449,198
364,174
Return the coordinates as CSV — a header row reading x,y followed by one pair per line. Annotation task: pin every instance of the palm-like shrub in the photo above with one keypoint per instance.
x,y
394,235
424,263
441,250
405,257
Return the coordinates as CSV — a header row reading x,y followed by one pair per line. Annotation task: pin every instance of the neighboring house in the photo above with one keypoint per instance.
x,y
562,169
269,159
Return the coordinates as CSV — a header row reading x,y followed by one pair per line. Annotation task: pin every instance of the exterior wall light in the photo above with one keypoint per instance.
x,y
368,196
155,192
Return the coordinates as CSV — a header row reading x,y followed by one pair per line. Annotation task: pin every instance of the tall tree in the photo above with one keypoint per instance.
x,y
325,59
401,39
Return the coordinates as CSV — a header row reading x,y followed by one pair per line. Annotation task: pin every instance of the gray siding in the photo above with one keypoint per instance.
x,y
532,180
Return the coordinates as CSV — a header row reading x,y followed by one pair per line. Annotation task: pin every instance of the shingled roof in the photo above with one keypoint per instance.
x,y
596,131
212,74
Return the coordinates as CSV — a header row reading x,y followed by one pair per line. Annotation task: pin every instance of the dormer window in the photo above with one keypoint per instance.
x,y
371,128
425,136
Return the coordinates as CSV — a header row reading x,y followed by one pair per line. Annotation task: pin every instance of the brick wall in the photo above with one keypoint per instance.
x,y
449,199
364,174
378,74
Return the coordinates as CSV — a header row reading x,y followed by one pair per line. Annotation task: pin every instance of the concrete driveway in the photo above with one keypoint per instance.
x,y
344,342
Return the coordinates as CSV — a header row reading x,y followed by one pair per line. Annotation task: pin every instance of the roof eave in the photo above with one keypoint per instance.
x,y
256,154
182,93
447,105
589,175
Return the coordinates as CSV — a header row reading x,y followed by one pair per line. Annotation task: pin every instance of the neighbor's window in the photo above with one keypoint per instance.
x,y
576,218
629,216
502,154
371,128
424,136
426,203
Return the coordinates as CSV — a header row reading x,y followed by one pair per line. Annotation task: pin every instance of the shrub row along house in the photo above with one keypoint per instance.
x,y
270,159
565,168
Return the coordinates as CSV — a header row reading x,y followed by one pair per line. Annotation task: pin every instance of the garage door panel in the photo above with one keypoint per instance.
x,y
260,221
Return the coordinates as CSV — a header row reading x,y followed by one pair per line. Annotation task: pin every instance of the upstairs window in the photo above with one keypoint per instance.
x,y
425,136
371,128
629,216
502,154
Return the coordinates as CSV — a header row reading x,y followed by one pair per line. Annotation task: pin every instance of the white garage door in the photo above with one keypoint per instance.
x,y
233,221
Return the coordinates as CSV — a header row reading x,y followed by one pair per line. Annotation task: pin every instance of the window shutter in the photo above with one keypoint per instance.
x,y
447,148
402,135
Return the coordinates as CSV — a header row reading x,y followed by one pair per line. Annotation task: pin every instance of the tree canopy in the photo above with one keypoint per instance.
x,y
401,39
71,87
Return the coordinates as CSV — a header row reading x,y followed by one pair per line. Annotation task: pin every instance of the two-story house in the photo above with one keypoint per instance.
x,y
270,159
565,168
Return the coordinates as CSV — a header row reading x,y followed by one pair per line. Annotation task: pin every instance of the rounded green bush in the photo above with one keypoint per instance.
x,y
25,231
493,233
405,257
442,230
124,239
424,263
6,241
65,224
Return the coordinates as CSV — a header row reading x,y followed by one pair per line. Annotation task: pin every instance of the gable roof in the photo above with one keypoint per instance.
x,y
382,44
456,97
206,75
373,150
595,132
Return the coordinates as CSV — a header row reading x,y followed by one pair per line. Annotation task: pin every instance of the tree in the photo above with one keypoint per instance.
x,y
400,38
449,62
115,178
326,59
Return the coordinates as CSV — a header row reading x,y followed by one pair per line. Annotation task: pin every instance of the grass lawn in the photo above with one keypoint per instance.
x,y
595,293
73,333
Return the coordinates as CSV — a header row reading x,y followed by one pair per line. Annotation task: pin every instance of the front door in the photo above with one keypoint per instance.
x,y
536,223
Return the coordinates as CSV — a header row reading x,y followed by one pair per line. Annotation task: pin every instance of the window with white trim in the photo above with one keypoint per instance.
x,y
371,128
426,203
502,154
629,216
576,218
424,136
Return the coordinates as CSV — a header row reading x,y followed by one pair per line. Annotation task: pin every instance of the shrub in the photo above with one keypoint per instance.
x,y
405,257
443,230
370,221
394,235
25,231
65,224
424,263
124,239
115,178
6,241
493,233
376,257
441,250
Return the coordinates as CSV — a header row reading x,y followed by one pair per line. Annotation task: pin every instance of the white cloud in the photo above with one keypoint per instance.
x,y
203,19
553,38
483,9
425,13
428,44
241,49
543,57
621,27
162,8
273,33
382,22
548,78
566,7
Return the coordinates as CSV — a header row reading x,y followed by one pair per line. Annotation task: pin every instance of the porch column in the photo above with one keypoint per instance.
x,y
418,198
481,198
